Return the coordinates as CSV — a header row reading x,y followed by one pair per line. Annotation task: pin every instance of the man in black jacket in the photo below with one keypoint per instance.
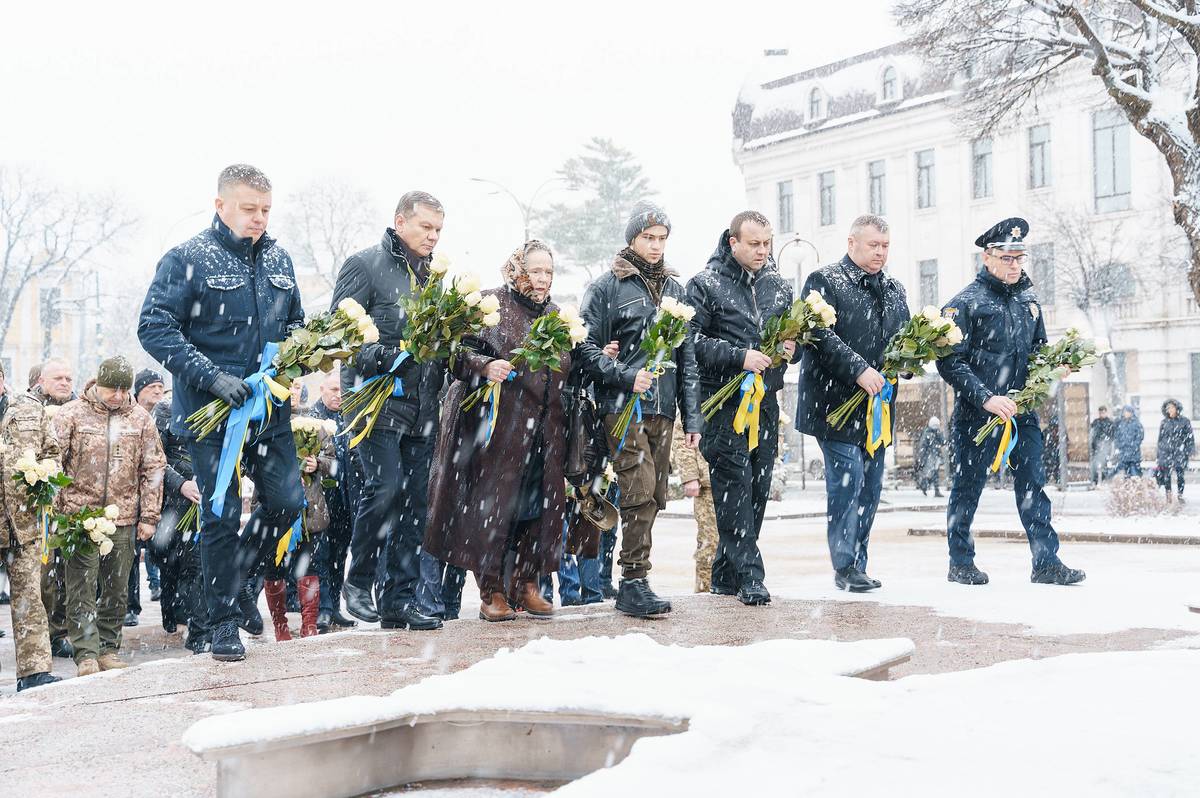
x,y
734,297
216,300
397,454
871,307
619,307
342,500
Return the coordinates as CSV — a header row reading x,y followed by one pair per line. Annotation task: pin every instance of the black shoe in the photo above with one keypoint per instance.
x,y
198,643
251,619
359,604
411,618
966,575
451,613
872,580
36,680
168,623
753,593
131,619
155,593
637,599
854,581
924,492
1056,574
723,590
608,591
937,493
4,598
570,602
61,647
341,620
227,644
324,621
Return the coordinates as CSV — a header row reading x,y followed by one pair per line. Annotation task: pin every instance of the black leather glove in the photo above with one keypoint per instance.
x,y
230,389
385,357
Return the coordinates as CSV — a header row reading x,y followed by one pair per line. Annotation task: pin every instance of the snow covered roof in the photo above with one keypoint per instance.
x,y
777,103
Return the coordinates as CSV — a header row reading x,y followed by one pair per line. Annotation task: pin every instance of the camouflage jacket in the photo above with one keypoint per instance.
x,y
688,463
26,425
114,456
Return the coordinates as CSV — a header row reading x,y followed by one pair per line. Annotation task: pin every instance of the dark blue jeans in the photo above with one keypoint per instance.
x,y
1029,479
330,557
225,558
439,592
385,551
578,578
853,480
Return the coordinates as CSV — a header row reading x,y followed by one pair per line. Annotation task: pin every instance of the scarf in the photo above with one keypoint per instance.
x,y
515,276
655,274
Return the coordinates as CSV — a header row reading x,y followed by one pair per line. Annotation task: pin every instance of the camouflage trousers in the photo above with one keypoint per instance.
x,y
28,615
706,538
54,595
95,624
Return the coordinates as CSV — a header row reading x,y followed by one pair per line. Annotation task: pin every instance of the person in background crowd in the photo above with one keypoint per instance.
x,y
1100,444
53,386
930,446
692,469
1051,457
111,451
1128,442
1176,445
147,392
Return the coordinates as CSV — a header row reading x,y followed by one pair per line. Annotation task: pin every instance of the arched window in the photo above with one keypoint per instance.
x,y
814,104
890,85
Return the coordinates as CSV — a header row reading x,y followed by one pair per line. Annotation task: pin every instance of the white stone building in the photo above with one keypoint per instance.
x,y
877,133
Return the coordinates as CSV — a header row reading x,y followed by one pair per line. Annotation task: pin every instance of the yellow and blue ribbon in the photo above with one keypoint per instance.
x,y
1008,442
491,395
371,411
44,522
879,418
288,543
265,394
749,406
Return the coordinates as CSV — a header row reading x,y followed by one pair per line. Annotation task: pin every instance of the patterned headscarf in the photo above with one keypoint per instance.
x,y
513,270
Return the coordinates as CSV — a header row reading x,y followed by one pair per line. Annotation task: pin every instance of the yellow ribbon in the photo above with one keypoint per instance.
x,y
879,418
491,396
1008,440
748,408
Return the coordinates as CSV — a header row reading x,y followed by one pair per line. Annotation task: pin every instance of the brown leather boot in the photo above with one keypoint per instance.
x,y
309,589
495,608
276,590
530,597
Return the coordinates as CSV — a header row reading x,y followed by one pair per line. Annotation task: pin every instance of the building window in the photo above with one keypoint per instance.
x,y
929,282
1041,271
785,206
925,194
814,104
1110,139
1039,156
827,198
981,168
877,187
890,84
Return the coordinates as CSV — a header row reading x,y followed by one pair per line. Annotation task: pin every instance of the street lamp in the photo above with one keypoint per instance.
x,y
796,239
525,207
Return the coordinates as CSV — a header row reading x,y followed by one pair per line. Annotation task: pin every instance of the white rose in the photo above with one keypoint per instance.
x,y
96,535
931,313
941,341
112,512
669,304
569,314
365,323
51,467
688,312
829,316
954,336
106,547
351,308
89,524
490,304
439,266
466,283
579,334
371,335
330,426
491,320
473,299
814,298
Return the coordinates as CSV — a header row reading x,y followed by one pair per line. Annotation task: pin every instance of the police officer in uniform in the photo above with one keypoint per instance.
x,y
1001,321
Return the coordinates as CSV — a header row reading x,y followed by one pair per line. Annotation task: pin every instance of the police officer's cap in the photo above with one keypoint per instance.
x,y
1007,235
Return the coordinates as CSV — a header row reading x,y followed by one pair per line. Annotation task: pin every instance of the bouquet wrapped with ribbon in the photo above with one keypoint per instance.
x,y
323,341
666,333
42,480
926,337
438,317
798,324
549,337
1047,366
86,531
309,436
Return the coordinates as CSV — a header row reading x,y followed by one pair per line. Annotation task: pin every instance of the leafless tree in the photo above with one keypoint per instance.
x,y
328,221
1143,52
45,232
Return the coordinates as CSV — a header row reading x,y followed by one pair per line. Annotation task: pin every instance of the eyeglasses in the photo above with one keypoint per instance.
x,y
1009,260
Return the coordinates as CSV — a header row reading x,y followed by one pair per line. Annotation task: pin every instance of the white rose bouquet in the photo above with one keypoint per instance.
x,y
665,335
42,480
86,531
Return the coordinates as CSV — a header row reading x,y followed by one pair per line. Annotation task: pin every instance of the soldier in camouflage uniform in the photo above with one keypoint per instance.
x,y
693,473
52,384
24,425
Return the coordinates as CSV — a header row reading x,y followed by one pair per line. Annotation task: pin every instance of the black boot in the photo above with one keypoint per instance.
x,y
359,603
1056,574
851,579
608,591
247,601
324,621
411,618
637,599
36,680
61,647
753,593
131,619
227,644
341,620
966,575
198,642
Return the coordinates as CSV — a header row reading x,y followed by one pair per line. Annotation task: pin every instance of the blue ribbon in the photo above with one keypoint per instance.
x,y
397,386
637,412
885,395
746,387
1012,443
491,409
238,425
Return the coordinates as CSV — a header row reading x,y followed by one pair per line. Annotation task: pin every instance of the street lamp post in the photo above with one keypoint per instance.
x,y
796,239
526,208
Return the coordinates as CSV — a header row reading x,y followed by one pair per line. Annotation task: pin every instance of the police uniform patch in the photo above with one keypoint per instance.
x,y
950,312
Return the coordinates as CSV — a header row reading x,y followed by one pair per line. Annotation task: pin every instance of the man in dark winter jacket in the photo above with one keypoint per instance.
x,y
1176,445
215,302
737,293
1100,444
619,307
396,456
930,445
1001,323
871,307
1128,441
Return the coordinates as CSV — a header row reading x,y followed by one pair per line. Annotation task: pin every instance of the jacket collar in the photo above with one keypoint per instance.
x,y
998,286
91,397
723,262
242,247
403,255
860,277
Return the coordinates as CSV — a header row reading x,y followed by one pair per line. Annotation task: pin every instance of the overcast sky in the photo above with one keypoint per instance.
x,y
152,101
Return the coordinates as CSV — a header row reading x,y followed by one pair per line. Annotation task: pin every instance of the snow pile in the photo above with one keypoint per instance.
x,y
1135,496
